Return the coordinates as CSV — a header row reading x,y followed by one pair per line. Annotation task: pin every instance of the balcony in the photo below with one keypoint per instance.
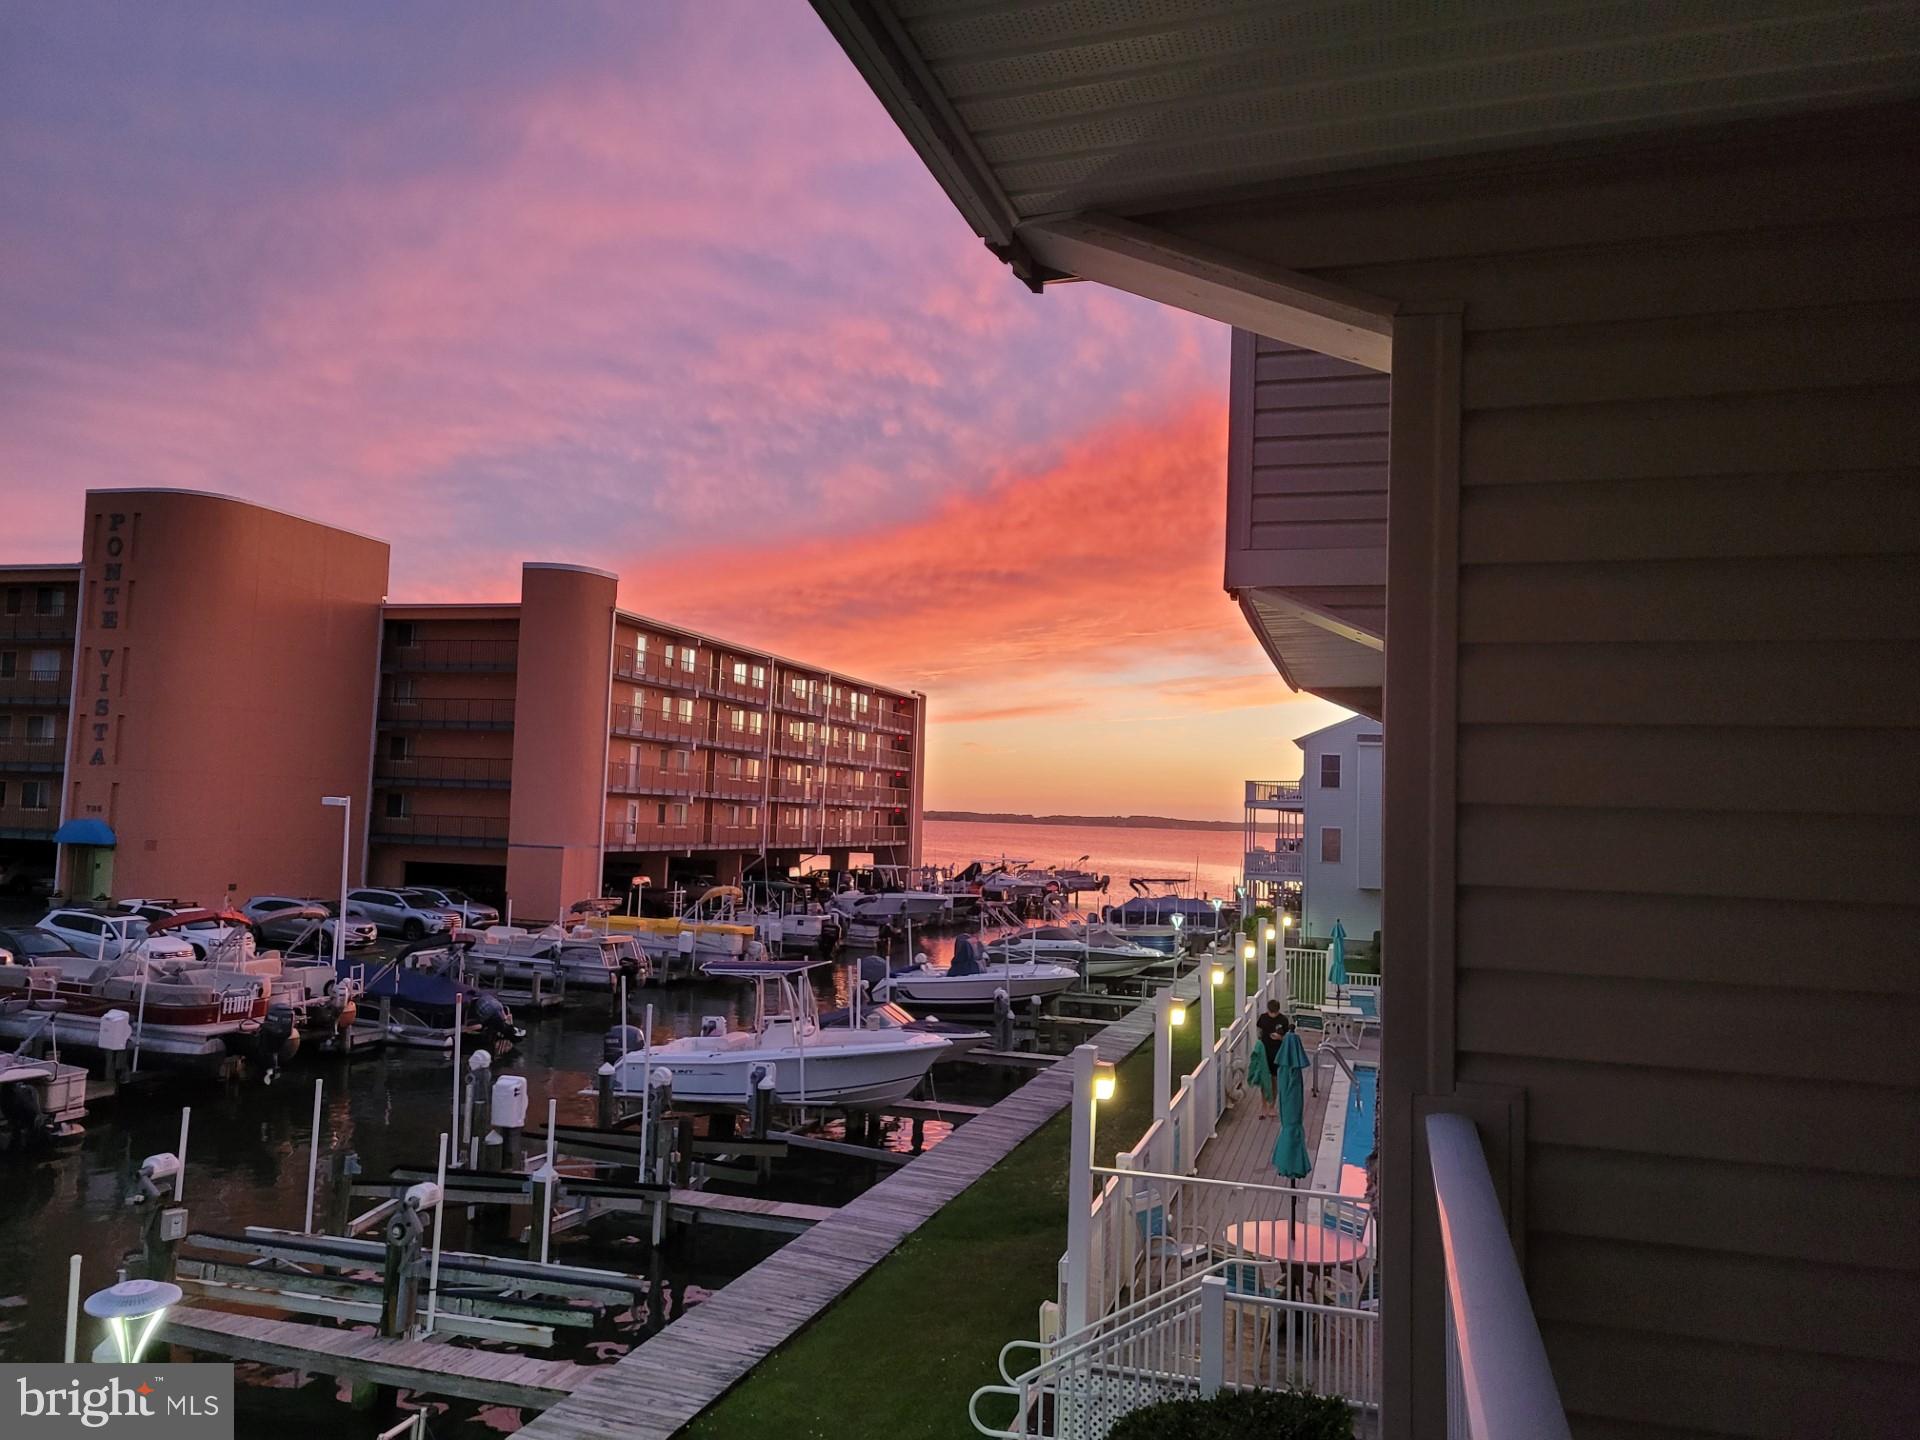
x,y
651,835
735,787
462,831
725,684
785,744
651,724
444,772
33,757
36,687
734,837
888,835
1282,793
451,655
1275,865
447,714
625,778
19,822
894,721
748,742
37,627
890,795
651,664
811,703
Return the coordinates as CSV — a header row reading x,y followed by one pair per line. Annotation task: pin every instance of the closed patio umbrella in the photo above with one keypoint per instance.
x,y
1337,967
1290,1156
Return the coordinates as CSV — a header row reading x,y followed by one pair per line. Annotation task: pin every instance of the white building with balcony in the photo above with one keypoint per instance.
x,y
1340,810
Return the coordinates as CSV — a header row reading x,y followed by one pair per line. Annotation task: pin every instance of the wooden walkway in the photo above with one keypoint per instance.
x,y
489,1376
666,1381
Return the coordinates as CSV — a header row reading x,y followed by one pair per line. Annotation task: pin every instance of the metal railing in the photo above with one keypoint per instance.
x,y
445,771
1273,792
462,830
650,834
894,722
1499,1385
22,821
36,687
734,787
1274,865
888,834
630,779
451,655
725,737
38,627
22,753
433,714
642,721
630,663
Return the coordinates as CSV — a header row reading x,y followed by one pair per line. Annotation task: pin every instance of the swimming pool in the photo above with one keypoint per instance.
x,y
1356,1141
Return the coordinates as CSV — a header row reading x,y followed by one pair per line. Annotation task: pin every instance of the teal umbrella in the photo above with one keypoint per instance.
x,y
1290,1156
1337,970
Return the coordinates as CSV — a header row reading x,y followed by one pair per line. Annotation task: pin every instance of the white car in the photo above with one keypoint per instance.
x,y
403,912
207,934
283,919
111,936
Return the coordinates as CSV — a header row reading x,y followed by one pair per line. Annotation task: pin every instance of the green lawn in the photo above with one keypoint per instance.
x,y
903,1351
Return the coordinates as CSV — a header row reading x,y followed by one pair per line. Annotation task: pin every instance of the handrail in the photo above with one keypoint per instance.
x,y
1501,1385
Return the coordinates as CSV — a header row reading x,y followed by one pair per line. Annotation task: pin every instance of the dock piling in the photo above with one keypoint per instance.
x,y
606,1116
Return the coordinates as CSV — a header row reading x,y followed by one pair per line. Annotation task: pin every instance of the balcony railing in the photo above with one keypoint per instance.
x,y
450,655
888,835
33,757
812,703
895,722
447,714
629,779
889,795
1274,865
725,684
734,787
785,744
651,835
741,836
1499,1385
458,830
651,664
1274,792
639,720
37,627
18,822
444,772
751,742
36,687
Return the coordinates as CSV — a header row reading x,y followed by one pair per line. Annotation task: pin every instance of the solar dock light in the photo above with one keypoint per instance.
x,y
133,1310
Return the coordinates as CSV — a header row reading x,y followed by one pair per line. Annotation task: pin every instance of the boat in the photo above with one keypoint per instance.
x,y
970,983
886,1016
1096,950
1148,917
41,1099
714,921
578,956
891,900
1073,880
422,987
809,1064
179,1009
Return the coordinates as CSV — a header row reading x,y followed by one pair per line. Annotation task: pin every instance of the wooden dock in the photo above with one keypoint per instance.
x,y
433,1366
666,1381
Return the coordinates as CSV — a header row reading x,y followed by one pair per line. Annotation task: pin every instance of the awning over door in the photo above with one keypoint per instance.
x,y
84,832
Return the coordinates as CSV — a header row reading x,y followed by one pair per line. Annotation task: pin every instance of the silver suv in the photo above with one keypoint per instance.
x,y
474,914
406,913
109,937
284,919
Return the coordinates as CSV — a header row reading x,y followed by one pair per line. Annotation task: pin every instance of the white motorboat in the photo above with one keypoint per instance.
x,y
918,905
970,982
881,1016
1099,950
809,1064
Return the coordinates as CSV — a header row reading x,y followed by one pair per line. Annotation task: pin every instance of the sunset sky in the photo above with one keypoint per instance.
x,y
658,288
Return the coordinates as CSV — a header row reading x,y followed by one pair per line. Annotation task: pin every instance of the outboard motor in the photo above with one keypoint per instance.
x,y
495,1020
276,1041
25,1116
620,1040
831,934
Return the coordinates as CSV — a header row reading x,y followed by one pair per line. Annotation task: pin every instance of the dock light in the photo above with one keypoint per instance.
x,y
125,1306
1218,975
1246,951
1176,1015
1104,1081
1269,932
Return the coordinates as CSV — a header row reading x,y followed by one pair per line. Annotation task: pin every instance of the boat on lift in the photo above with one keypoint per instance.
x,y
971,980
808,1063
1148,917
715,921
891,899
1098,950
580,956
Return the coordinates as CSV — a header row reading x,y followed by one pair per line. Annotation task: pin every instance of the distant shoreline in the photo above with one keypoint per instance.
x,y
1115,822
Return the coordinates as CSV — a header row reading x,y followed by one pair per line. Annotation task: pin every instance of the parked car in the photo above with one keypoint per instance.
x,y
474,914
207,933
31,946
112,936
407,913
284,919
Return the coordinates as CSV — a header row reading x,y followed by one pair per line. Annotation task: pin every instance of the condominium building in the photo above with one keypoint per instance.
x,y
1316,843
174,707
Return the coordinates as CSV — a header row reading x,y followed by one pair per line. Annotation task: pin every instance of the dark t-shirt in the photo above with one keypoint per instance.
x,y
1270,1027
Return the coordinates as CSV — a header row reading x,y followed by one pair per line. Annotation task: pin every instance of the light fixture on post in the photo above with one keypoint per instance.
x,y
1105,1081
344,803
1217,974
1177,1014
124,1307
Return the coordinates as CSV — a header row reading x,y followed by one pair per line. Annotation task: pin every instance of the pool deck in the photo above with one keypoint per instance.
x,y
665,1382
1242,1146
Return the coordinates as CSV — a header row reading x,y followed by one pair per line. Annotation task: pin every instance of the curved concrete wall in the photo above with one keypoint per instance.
x,y
224,683
560,737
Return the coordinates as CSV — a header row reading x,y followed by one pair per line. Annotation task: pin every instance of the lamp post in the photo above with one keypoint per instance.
x,y
344,803
123,1307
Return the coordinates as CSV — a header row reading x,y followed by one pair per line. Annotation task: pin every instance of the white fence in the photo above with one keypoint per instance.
x,y
1206,1334
1499,1386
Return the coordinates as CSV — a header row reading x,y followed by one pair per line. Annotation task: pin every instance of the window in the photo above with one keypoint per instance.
x,y
6,727
733,814
860,740
402,691
660,812
46,664
406,634
859,779
677,761
3,794
753,769
1329,772
736,720
679,814
759,677
751,814
396,805
687,653
1330,845
756,723
13,600
739,672
685,708
399,747
39,729
666,706
85,924
9,664
33,794
733,766
50,600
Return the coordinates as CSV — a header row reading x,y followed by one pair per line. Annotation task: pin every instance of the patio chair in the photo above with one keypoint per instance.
x,y
1165,1252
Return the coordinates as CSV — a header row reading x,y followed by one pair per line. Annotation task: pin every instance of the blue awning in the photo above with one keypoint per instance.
x,y
84,832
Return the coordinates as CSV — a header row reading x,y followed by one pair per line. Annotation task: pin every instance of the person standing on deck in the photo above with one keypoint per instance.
x,y
1266,1049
